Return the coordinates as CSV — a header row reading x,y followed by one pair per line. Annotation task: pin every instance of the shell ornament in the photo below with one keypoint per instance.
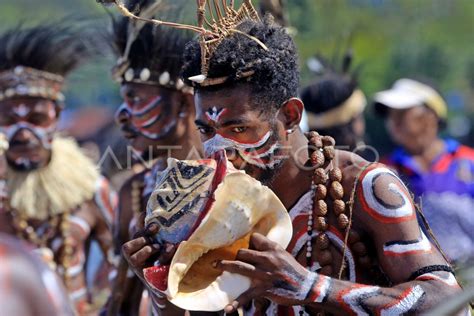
x,y
210,209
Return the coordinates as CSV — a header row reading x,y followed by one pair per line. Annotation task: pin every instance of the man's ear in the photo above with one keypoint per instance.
x,y
291,112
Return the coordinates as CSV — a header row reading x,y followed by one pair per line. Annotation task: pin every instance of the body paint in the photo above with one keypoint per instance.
x,y
376,207
320,289
145,116
260,153
352,299
21,110
214,114
442,276
44,134
294,286
408,247
106,200
405,303
301,237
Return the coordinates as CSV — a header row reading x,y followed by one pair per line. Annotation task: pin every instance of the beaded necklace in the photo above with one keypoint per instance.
x,y
59,224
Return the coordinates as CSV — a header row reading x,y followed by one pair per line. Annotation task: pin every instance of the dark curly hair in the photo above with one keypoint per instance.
x,y
331,89
328,92
276,77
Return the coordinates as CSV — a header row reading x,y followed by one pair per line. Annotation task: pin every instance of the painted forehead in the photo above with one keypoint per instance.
x,y
27,105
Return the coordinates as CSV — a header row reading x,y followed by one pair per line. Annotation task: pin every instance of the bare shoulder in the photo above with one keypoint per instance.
x,y
351,165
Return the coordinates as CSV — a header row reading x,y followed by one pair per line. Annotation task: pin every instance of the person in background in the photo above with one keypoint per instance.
x,y
157,118
335,106
58,201
439,171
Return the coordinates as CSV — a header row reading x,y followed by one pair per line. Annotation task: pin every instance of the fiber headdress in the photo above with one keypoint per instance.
x,y
147,54
220,21
34,61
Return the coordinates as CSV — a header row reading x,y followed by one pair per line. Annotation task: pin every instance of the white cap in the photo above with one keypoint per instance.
x,y
408,93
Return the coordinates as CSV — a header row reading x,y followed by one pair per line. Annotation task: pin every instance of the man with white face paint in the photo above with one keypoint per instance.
x,y
354,223
58,201
157,118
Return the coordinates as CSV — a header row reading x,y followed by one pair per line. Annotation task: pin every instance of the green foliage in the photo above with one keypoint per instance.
x,y
390,39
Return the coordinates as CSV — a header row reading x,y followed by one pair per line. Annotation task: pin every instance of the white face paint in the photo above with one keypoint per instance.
x,y
21,110
44,134
144,118
214,114
258,154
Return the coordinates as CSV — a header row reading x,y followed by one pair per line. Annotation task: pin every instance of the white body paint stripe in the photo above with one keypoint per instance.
x,y
423,245
76,295
214,114
219,142
75,270
369,194
81,223
352,299
323,291
406,304
449,278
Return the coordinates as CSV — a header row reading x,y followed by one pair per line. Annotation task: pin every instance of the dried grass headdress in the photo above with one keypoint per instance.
x,y
214,25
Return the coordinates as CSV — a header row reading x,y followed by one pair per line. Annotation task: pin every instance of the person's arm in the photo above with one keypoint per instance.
x,y
105,210
126,290
421,276
140,253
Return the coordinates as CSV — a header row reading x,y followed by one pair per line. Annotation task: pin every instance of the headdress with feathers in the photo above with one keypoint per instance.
x,y
216,20
34,61
147,54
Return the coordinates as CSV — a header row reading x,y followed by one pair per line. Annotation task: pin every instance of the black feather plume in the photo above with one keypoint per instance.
x,y
159,49
57,47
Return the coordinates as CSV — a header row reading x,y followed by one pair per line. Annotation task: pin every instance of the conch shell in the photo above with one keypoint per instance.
x,y
227,206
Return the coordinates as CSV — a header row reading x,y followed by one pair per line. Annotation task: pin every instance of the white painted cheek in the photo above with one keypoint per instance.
x,y
217,143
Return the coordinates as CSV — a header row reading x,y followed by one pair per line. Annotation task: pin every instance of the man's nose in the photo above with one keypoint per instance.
x,y
122,115
23,135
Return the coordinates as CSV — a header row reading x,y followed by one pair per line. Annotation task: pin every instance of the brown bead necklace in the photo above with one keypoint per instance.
x,y
327,185
60,225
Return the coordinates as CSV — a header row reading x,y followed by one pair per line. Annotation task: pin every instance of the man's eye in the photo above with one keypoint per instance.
x,y
239,129
204,130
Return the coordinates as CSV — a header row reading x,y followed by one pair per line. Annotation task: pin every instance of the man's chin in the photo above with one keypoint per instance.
x,y
265,175
24,164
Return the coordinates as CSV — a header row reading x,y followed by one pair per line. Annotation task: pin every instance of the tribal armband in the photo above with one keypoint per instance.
x,y
429,269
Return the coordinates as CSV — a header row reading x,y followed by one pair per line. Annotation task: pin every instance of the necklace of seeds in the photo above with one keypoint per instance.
x,y
61,224
327,184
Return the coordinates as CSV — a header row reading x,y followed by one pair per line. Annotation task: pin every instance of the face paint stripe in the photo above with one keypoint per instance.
x,y
156,136
21,110
250,146
142,110
148,122
214,114
44,134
